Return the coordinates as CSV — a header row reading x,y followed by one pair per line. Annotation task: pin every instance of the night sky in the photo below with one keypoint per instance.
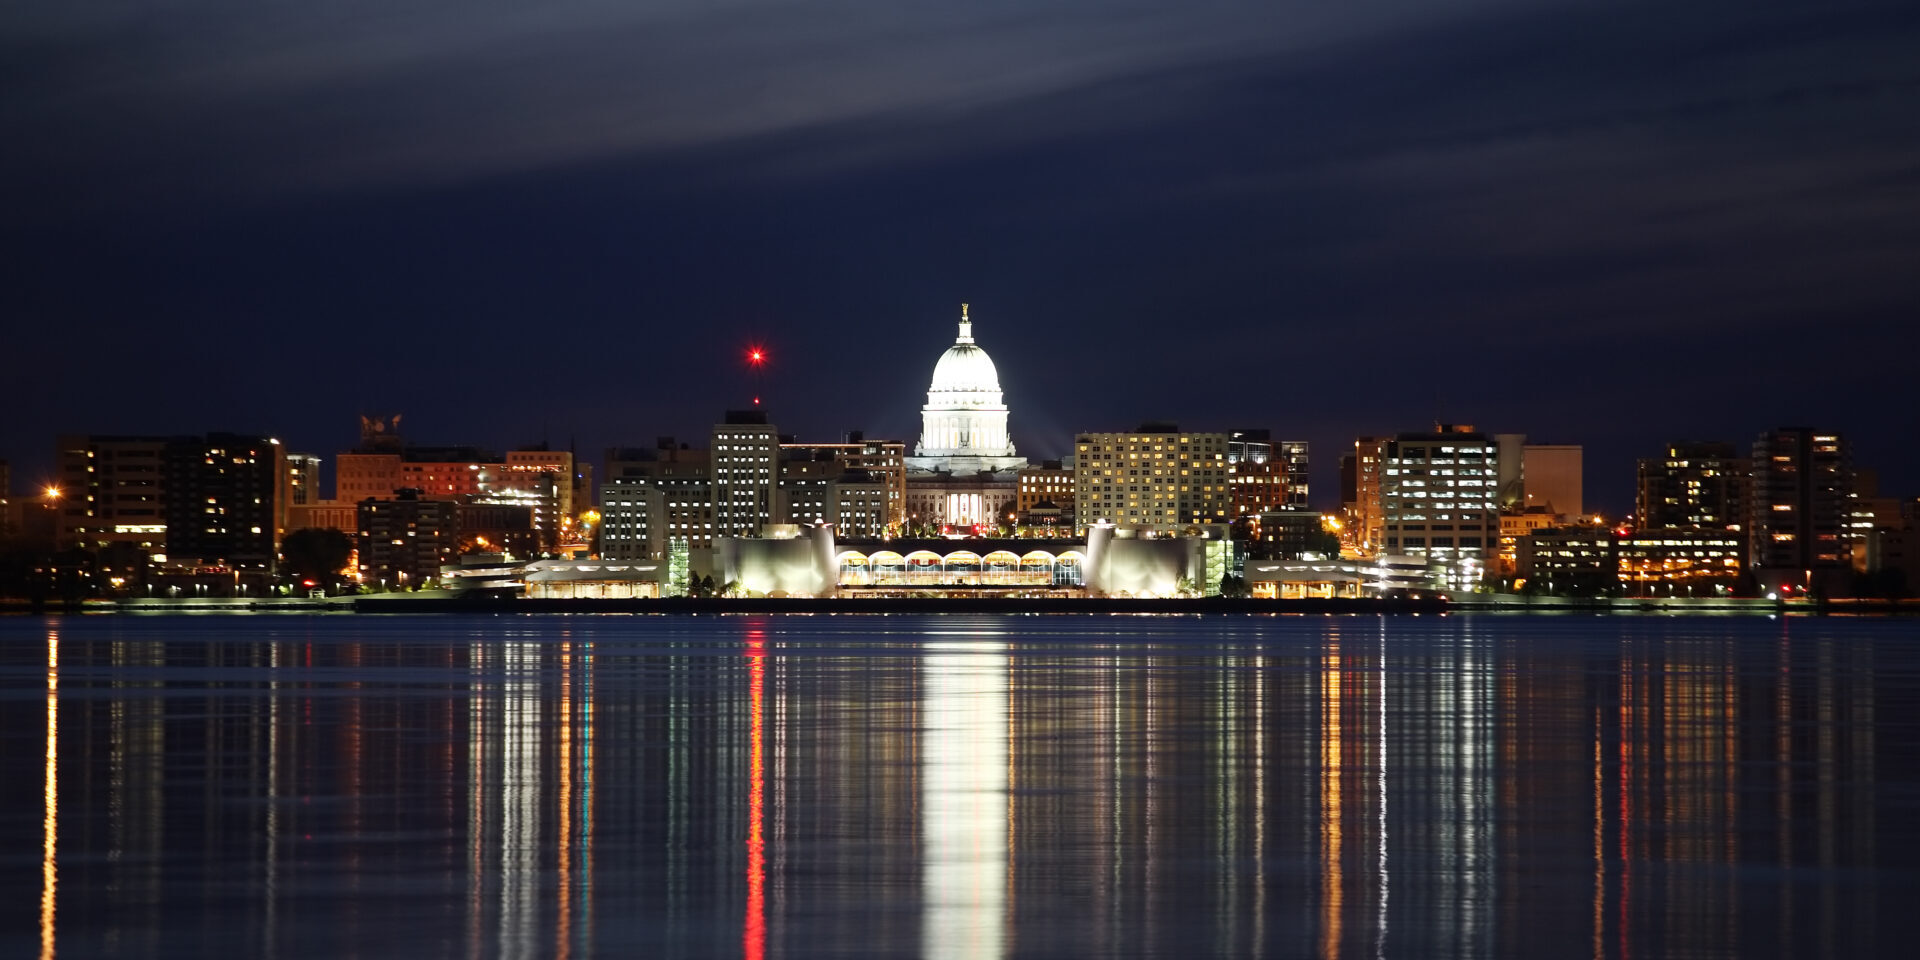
x,y
1609,223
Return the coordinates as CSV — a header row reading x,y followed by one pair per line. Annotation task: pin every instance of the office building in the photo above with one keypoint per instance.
x,y
1153,478
745,452
884,460
1438,500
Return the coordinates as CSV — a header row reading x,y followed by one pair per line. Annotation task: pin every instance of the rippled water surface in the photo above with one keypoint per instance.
x,y
944,786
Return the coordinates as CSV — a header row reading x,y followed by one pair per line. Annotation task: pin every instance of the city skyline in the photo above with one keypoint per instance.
x,y
757,383
1552,219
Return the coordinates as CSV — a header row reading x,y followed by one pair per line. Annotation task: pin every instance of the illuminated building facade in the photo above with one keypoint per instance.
x,y
884,460
1153,478
1258,487
405,541
1438,500
303,480
963,427
1695,484
1515,526
653,496
820,489
1366,517
961,502
1644,563
745,452
223,499
1107,562
537,470
1267,475
1800,509
112,492
1049,482
1294,453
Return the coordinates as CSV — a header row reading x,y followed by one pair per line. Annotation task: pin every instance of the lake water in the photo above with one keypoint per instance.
x,y
947,786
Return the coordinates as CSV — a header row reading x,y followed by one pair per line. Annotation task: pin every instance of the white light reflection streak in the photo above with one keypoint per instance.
x,y
1380,923
49,870
520,801
965,812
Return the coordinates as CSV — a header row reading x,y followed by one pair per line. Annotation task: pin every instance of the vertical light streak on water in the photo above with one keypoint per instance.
x,y
1380,923
1599,843
1624,783
563,843
478,736
964,774
49,850
1332,880
1259,944
520,800
587,764
1464,692
753,930
1116,789
270,927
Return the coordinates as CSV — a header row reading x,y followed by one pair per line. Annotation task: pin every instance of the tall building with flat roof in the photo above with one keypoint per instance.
x,y
1800,509
1439,500
1367,518
222,499
1155,478
112,490
745,452
1295,454
1553,475
883,460
1695,484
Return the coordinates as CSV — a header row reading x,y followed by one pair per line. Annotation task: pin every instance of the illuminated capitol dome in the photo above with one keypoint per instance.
x,y
963,427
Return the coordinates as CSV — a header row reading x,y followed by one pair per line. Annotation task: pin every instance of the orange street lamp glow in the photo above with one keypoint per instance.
x,y
53,492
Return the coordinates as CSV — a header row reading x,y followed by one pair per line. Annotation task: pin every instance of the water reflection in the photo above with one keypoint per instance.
x,y
792,786
964,759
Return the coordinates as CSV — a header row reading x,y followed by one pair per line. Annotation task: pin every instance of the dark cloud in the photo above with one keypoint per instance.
x,y
1610,223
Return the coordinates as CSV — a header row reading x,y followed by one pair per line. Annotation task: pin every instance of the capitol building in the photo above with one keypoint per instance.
x,y
963,472
963,427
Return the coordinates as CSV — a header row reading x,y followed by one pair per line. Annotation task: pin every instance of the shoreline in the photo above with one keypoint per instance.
x,y
682,606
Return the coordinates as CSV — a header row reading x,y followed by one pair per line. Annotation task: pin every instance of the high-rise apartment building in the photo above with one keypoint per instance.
x,y
1696,484
1366,518
303,480
1294,454
406,539
1153,478
745,451
112,491
1439,500
1800,509
222,499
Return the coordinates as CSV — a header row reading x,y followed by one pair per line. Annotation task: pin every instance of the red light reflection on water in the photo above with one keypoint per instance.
x,y
753,934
